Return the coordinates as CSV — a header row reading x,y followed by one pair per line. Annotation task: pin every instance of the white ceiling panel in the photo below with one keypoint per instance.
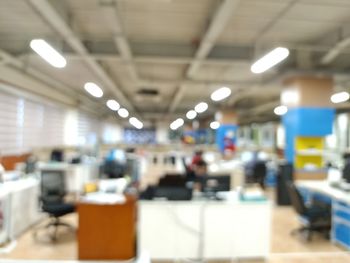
x,y
161,71
154,20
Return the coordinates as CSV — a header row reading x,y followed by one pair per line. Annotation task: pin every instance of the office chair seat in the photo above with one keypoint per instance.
x,y
315,218
58,210
316,212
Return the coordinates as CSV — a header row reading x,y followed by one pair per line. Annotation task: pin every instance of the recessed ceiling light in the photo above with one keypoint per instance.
x,y
220,94
136,123
269,60
280,110
113,105
123,113
48,53
214,125
191,114
201,107
340,97
93,89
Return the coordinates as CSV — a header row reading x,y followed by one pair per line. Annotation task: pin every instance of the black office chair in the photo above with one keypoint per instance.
x,y
257,174
315,218
52,200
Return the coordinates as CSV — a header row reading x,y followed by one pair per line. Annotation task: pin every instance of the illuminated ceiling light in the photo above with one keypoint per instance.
x,y
280,110
123,113
136,123
340,97
214,125
48,53
191,114
201,107
269,60
177,124
113,105
93,89
220,94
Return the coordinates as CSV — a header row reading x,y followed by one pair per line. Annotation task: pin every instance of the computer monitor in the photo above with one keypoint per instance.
x,y
216,183
172,180
173,193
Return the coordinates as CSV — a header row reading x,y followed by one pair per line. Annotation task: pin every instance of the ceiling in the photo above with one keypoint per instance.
x,y
184,49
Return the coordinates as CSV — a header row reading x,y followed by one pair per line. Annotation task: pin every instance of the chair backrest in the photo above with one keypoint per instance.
x,y
52,186
296,199
259,169
57,155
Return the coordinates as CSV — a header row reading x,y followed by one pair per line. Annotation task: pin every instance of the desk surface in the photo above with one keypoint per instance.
x,y
323,187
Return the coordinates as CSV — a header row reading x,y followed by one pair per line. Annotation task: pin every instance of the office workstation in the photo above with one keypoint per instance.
x,y
174,130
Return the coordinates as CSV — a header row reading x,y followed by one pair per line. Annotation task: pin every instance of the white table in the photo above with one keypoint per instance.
x,y
323,187
340,201
204,229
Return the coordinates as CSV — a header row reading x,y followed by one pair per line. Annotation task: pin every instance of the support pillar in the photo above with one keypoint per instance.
x,y
308,120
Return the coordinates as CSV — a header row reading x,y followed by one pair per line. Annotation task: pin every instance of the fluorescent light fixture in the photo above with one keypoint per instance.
x,y
214,125
201,107
280,110
48,53
220,94
123,113
93,89
340,97
269,60
113,105
177,124
136,123
191,114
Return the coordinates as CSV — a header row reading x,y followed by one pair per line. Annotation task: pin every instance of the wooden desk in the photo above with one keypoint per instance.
x,y
107,232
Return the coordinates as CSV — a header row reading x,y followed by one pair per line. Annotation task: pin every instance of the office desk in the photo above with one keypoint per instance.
x,y
204,229
107,232
340,202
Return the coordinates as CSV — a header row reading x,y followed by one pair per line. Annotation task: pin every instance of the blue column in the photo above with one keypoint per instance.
x,y
226,136
306,121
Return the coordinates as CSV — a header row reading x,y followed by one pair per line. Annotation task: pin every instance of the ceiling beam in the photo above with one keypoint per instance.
x,y
217,25
53,18
44,78
262,108
220,19
18,79
152,59
335,51
274,21
110,14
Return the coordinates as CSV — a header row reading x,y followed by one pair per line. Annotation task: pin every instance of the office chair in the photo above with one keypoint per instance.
x,y
57,155
315,218
52,200
257,173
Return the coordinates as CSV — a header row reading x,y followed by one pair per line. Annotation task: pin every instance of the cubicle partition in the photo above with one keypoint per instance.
x,y
204,229
19,204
